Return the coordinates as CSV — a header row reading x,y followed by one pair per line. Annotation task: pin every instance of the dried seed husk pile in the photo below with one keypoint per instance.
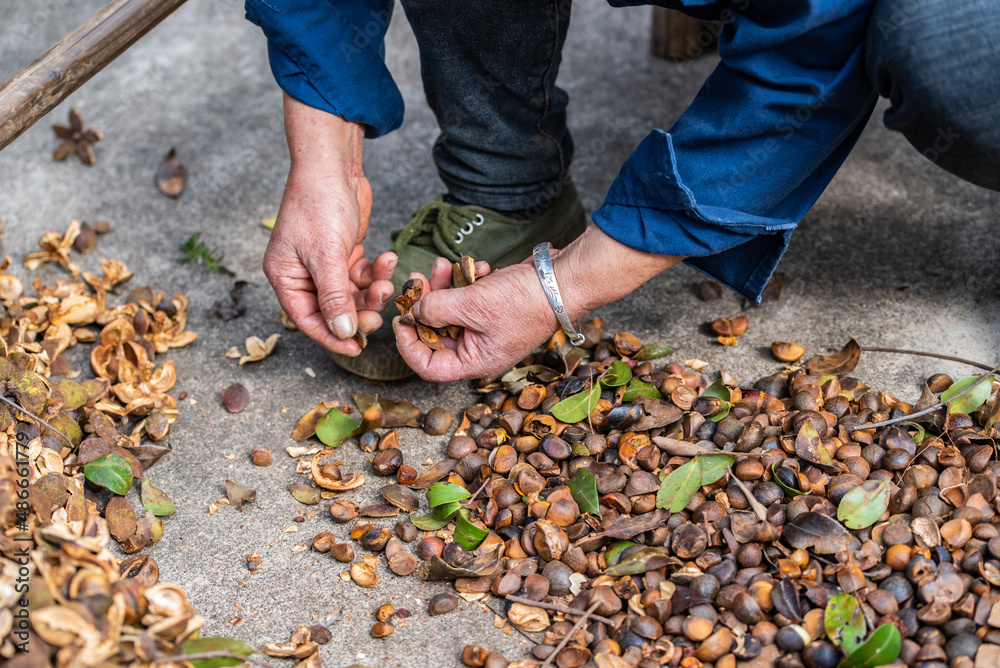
x,y
64,470
463,274
709,523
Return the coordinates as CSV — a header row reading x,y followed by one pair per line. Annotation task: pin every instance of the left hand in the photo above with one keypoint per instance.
x,y
505,317
506,314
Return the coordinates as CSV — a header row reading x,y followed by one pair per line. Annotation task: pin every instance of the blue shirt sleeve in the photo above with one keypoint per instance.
x,y
726,185
329,54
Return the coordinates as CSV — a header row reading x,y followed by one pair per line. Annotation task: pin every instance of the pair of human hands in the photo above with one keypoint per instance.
x,y
316,263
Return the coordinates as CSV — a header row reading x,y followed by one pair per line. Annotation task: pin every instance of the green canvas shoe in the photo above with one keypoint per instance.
x,y
441,229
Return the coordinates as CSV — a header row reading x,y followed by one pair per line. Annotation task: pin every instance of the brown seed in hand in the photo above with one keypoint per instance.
x,y
786,351
382,630
441,603
437,421
261,455
429,337
474,655
235,398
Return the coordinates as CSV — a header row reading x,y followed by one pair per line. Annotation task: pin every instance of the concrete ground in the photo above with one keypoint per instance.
x,y
200,82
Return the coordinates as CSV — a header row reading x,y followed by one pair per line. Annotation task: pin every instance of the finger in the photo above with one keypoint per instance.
x,y
440,308
369,321
303,309
431,365
364,273
441,274
482,269
375,297
329,271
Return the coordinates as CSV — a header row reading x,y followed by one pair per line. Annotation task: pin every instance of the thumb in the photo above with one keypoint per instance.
x,y
333,292
440,308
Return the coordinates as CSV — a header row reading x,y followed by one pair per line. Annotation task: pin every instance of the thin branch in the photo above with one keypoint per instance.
x,y
572,632
19,407
926,411
555,607
950,358
221,654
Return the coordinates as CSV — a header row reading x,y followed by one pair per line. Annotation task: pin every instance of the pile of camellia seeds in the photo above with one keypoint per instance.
x,y
634,516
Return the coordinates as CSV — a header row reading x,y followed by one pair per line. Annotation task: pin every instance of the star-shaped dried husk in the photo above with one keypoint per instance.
x,y
115,274
76,139
167,330
55,248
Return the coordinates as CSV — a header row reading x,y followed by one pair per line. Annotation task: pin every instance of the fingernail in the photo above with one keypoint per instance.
x,y
343,326
416,309
385,297
392,263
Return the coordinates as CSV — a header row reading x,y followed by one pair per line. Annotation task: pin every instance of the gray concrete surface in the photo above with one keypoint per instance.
x,y
200,83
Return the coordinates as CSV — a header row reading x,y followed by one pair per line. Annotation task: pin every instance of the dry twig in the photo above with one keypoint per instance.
x,y
555,607
566,638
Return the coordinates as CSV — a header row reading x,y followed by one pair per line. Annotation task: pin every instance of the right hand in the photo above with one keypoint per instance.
x,y
315,259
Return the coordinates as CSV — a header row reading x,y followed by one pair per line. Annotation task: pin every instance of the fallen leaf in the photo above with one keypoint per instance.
x,y
156,501
306,494
170,175
397,413
840,362
862,506
306,426
121,517
238,495
817,532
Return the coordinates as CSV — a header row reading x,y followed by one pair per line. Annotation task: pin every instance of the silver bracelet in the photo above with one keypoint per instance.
x,y
547,276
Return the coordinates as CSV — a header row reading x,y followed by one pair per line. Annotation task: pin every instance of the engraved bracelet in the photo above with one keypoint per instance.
x,y
547,276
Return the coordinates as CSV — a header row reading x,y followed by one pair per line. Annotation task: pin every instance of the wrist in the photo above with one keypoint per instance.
x,y
595,270
321,144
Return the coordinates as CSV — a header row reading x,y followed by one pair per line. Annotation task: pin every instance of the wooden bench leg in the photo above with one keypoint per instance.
x,y
676,36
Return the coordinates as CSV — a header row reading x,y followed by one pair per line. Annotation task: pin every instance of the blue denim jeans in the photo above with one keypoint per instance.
x,y
489,73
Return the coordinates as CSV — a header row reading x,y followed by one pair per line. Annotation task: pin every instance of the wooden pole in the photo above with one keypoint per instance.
x,y
45,83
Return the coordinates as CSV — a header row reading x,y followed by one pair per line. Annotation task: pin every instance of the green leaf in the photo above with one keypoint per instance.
x,y
429,522
862,506
717,389
714,465
844,622
970,401
216,644
790,491
441,493
583,487
336,426
881,648
640,388
110,471
577,407
155,501
921,432
467,534
723,412
652,351
614,553
642,561
617,374
677,488
516,379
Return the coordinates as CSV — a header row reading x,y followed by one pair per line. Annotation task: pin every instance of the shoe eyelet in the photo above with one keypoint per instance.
x,y
460,238
479,219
